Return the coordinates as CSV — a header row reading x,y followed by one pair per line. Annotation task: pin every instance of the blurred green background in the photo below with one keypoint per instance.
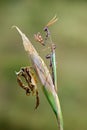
x,y
70,35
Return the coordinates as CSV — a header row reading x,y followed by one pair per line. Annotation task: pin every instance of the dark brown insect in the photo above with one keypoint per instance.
x,y
30,79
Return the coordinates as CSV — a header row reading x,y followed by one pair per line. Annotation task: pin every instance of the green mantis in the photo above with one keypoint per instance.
x,y
51,56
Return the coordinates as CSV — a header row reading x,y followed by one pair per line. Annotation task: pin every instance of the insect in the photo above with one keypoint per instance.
x,y
39,38
52,21
31,87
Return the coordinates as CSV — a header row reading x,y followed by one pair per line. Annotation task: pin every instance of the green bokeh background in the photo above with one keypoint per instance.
x,y
70,35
